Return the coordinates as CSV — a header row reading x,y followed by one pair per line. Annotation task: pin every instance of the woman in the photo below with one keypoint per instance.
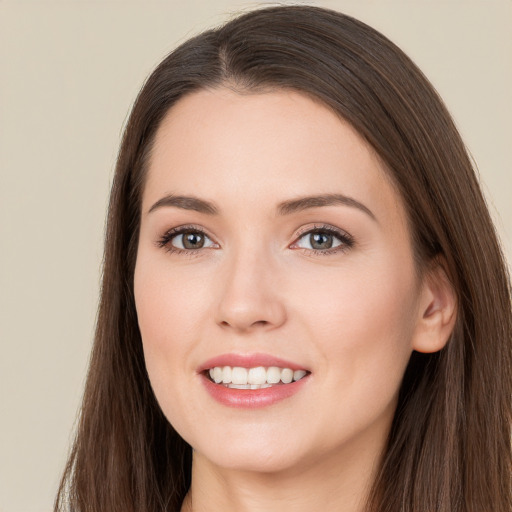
x,y
304,302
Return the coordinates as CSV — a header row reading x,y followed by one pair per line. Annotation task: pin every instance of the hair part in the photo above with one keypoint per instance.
x,y
449,446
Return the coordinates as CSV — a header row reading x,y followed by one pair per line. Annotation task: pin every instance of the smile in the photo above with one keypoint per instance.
x,y
260,377
252,380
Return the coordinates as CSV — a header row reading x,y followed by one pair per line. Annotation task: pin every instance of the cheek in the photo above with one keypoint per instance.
x,y
364,294
167,301
363,323
166,318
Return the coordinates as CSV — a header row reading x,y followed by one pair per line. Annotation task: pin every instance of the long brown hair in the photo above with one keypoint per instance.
x,y
449,448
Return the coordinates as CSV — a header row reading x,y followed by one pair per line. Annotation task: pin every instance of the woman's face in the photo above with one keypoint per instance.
x,y
272,237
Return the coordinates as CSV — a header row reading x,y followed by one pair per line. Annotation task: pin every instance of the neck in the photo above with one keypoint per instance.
x,y
330,485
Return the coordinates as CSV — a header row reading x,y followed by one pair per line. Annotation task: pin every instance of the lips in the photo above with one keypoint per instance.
x,y
251,380
249,361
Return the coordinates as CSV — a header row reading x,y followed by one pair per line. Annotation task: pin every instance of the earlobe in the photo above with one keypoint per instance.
x,y
438,310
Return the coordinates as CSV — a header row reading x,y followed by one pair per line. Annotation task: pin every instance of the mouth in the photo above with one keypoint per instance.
x,y
252,380
259,377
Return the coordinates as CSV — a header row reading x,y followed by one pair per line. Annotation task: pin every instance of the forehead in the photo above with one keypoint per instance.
x,y
262,148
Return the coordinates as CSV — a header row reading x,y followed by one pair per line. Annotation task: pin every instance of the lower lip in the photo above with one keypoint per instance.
x,y
251,398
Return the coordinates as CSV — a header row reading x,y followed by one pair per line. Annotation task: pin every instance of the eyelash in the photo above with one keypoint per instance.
x,y
166,239
347,241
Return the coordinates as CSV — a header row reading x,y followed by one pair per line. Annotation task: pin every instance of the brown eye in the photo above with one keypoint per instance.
x,y
186,239
192,240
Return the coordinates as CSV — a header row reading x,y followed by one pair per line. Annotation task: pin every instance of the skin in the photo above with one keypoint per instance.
x,y
352,316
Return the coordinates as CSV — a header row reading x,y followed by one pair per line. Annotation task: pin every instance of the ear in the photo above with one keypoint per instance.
x,y
438,310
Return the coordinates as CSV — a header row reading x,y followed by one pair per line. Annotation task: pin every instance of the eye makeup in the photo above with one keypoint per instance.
x,y
190,235
323,239
333,240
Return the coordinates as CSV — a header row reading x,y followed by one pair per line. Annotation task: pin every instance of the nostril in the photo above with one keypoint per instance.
x,y
257,323
260,322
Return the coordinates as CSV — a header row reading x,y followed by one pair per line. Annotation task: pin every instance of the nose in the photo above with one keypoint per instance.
x,y
250,297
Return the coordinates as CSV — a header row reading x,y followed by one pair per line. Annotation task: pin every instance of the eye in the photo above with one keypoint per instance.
x,y
186,239
190,240
324,239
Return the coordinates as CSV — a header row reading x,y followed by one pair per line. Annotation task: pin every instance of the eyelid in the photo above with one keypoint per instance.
x,y
164,241
321,227
347,240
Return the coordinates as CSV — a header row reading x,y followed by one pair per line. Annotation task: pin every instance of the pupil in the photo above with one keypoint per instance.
x,y
320,241
193,240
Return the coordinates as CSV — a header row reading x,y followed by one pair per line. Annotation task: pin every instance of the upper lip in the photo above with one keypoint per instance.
x,y
249,361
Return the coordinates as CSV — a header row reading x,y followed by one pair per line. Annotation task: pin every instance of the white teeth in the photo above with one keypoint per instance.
x,y
257,375
273,375
248,386
239,386
286,376
226,375
217,374
298,374
237,377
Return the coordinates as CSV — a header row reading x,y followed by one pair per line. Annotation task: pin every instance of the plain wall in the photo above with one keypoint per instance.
x,y
69,72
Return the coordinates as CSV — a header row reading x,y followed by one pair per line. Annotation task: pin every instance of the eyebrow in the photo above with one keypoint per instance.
x,y
304,203
285,208
186,203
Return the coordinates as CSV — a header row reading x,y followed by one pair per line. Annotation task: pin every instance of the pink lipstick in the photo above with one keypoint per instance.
x,y
251,380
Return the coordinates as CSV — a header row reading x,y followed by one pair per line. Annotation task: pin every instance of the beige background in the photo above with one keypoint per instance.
x,y
69,72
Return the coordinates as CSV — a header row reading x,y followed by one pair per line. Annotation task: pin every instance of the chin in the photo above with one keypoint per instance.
x,y
250,451
250,460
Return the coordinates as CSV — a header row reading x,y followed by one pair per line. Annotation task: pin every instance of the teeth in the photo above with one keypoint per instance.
x,y
217,374
298,374
226,374
273,375
259,377
287,375
239,375
248,386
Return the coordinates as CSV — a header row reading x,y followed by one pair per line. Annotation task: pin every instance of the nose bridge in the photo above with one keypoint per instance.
x,y
248,296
